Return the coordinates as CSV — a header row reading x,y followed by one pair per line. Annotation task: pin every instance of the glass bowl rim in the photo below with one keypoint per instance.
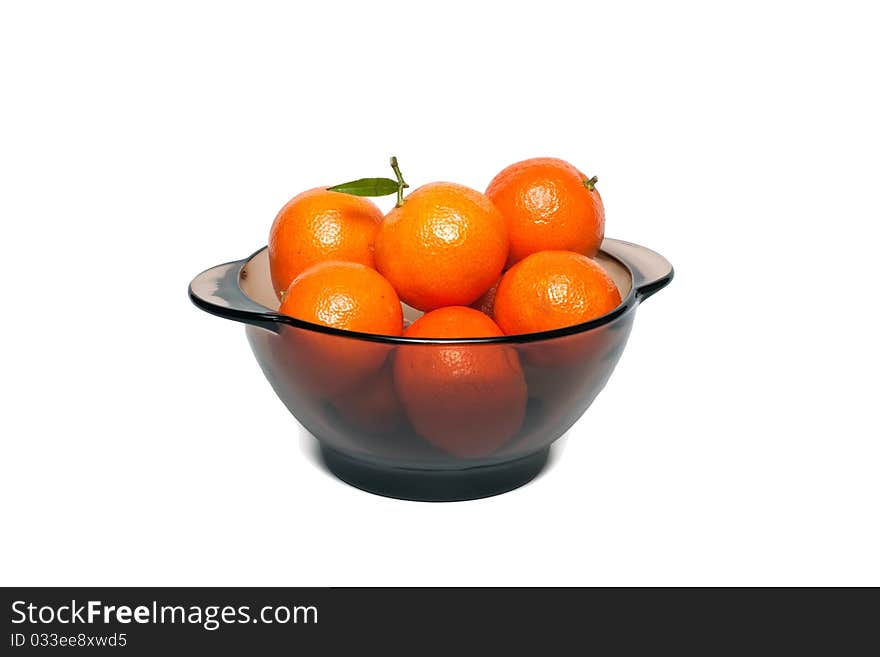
x,y
266,316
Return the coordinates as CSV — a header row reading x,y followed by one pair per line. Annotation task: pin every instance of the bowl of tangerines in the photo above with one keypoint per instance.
x,y
438,350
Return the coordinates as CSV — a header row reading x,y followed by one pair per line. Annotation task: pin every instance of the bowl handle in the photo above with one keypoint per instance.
x,y
651,271
217,291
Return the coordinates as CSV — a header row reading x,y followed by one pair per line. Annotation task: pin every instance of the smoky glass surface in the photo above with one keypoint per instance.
x,y
432,419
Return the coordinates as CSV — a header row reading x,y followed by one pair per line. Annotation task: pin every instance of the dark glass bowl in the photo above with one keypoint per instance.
x,y
481,413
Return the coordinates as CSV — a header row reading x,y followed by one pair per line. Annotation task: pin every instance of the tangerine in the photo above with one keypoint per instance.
x,y
445,245
320,225
467,399
552,289
342,295
486,303
548,205
373,405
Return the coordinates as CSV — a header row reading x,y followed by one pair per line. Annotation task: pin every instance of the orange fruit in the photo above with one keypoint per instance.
x,y
344,295
444,246
467,399
486,303
373,405
320,225
548,205
552,289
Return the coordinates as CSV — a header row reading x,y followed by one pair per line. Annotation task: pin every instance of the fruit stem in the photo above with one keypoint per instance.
x,y
591,183
401,183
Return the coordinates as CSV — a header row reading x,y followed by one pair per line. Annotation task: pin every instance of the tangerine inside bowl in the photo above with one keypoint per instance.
x,y
434,419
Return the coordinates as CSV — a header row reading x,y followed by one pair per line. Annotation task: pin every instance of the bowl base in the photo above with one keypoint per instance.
x,y
434,485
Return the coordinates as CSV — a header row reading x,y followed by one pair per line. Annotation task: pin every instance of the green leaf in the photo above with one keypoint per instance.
x,y
367,187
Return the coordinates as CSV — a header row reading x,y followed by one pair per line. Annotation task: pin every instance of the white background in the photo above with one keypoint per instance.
x,y
736,443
